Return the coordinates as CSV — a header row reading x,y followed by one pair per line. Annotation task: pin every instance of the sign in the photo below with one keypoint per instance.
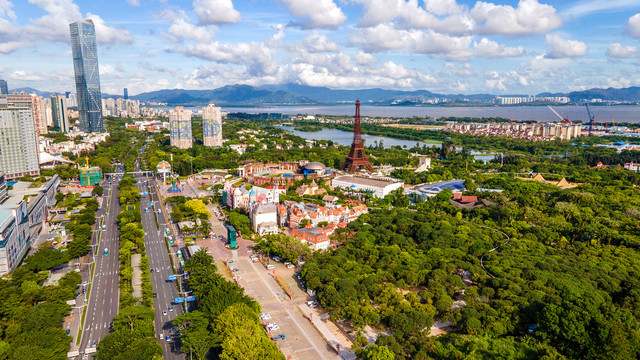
x,y
172,277
191,298
179,300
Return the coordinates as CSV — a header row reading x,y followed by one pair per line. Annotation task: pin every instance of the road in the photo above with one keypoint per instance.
x,y
159,260
103,302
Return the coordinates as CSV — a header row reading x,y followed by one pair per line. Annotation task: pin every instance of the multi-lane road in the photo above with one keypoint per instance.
x,y
166,291
103,302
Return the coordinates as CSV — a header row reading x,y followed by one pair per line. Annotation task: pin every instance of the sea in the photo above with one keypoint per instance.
x,y
604,114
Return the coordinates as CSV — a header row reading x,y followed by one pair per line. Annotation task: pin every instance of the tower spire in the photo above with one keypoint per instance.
x,y
357,158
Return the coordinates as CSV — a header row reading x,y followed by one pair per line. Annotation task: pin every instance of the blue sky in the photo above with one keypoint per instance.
x,y
448,46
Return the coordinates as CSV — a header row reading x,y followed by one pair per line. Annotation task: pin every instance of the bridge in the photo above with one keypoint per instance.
x,y
134,173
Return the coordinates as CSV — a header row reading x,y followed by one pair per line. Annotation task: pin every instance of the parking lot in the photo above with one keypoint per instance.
x,y
302,340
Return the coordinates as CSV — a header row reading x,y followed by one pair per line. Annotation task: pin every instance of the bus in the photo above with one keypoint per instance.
x,y
106,251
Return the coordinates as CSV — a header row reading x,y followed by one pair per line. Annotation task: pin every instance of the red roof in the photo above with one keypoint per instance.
x,y
468,199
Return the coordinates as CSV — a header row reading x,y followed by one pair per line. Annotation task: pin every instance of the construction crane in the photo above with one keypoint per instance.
x,y
592,119
558,115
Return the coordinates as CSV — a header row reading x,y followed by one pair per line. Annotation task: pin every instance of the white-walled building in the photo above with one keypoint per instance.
x,y
377,186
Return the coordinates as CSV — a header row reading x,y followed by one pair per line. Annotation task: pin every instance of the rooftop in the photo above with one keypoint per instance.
x,y
453,185
366,181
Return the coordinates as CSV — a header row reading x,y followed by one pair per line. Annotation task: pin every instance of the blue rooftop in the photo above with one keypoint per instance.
x,y
453,185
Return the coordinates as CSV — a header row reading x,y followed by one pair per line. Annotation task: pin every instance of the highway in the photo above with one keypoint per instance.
x,y
103,302
159,260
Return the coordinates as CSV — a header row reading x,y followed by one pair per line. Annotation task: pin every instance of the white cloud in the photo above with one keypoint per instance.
x,y
633,26
564,48
444,16
133,2
22,75
54,26
316,13
363,58
5,9
587,7
616,50
216,12
490,49
11,46
255,56
528,18
181,28
315,42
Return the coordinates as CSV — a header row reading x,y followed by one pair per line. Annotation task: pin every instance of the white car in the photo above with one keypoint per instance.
x,y
290,266
312,304
265,316
270,267
164,312
161,336
273,326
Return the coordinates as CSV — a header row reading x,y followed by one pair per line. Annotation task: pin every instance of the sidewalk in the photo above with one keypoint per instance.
x,y
330,332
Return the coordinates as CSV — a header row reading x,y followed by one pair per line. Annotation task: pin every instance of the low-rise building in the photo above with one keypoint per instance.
x,y
375,185
263,219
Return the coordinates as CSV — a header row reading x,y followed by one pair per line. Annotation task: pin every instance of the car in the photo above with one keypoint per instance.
x,y
155,295
273,326
270,267
161,336
168,338
312,304
236,269
157,269
230,262
290,266
277,259
170,308
164,312
265,316
93,343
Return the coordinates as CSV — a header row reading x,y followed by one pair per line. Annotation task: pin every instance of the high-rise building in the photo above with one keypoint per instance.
x,y
59,113
126,94
212,125
180,127
18,139
4,90
85,66
72,100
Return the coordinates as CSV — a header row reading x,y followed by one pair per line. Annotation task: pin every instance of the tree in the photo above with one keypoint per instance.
x,y
97,190
376,352
195,335
45,259
303,223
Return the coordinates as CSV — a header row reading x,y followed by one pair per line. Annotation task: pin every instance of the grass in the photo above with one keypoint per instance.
x,y
283,284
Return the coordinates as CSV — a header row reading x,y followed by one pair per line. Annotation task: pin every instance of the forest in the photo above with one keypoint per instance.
x,y
565,285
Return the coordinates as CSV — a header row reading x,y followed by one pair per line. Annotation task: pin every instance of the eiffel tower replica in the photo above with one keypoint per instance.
x,y
357,159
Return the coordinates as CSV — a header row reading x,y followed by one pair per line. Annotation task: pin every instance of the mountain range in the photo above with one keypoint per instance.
x,y
296,94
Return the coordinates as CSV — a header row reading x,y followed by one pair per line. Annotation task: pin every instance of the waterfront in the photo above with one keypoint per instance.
x,y
621,113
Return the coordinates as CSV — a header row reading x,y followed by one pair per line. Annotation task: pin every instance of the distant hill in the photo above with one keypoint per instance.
x,y
227,95
29,90
624,94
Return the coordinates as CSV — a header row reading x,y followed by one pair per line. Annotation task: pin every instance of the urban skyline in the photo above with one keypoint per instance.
x,y
526,47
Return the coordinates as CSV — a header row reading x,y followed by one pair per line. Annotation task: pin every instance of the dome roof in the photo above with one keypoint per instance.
x,y
315,166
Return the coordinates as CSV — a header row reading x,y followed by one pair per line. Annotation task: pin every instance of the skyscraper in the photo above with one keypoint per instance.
x,y
59,113
212,125
126,94
18,139
4,90
180,127
85,66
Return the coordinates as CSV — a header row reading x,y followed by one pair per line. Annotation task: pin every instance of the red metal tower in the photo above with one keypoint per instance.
x,y
357,159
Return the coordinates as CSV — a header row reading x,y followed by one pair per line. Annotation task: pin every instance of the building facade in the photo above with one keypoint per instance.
x,y
212,125
376,186
4,90
18,141
180,128
87,76
59,113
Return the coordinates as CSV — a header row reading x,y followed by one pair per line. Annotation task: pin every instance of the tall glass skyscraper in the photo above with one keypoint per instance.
x,y
85,66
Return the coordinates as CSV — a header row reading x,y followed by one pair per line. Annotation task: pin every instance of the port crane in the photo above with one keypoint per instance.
x,y
592,119
564,120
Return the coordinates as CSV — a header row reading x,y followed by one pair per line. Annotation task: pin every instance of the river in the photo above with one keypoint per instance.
x,y
345,138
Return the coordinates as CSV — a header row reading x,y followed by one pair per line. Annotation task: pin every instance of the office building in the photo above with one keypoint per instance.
x,y
126,94
18,139
59,113
180,127
4,90
212,125
85,66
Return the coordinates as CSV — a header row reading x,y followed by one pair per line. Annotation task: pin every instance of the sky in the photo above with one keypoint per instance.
x,y
446,46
